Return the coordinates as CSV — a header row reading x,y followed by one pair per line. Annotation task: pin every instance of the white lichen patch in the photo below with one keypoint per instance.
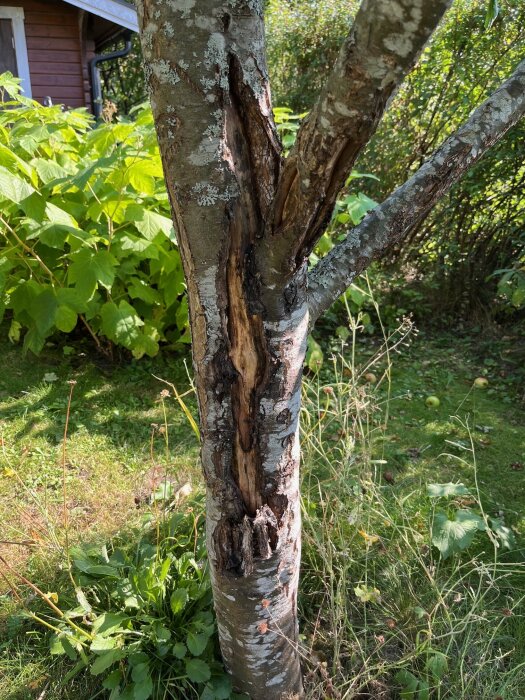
x,y
164,73
208,194
252,76
399,44
343,110
276,680
215,54
182,6
169,31
149,31
255,6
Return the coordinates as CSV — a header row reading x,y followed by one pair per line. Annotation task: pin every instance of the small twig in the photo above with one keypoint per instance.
x,y
45,598
72,384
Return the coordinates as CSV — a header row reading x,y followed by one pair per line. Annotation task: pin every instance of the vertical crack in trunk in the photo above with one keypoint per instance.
x,y
249,358
252,153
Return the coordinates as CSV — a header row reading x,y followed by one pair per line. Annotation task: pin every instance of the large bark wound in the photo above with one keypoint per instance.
x,y
254,156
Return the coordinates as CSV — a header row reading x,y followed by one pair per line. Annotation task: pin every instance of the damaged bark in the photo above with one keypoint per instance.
x,y
245,223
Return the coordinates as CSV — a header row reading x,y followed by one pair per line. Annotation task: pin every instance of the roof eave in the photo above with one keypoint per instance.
x,y
121,13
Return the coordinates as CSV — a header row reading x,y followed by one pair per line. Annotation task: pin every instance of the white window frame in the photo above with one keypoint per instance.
x,y
16,15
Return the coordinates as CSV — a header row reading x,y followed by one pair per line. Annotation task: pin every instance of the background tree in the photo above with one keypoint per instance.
x,y
246,222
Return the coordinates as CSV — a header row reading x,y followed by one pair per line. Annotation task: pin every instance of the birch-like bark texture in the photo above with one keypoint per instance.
x,y
385,41
245,223
412,202
205,64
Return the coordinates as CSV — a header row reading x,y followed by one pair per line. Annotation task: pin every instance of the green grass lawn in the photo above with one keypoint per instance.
x,y
125,439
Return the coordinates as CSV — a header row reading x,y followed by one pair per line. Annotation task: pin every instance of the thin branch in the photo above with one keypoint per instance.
x,y
385,41
410,204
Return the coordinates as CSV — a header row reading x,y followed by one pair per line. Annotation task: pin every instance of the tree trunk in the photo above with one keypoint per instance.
x,y
249,338
250,402
245,226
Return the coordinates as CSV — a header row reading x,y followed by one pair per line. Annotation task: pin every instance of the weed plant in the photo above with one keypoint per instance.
x,y
409,590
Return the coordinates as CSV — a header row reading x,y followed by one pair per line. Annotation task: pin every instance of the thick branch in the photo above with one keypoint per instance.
x,y
410,204
384,44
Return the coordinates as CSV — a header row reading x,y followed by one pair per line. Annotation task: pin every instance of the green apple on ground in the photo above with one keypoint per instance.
x,y
432,401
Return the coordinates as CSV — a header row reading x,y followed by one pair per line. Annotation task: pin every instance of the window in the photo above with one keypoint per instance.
x,y
13,49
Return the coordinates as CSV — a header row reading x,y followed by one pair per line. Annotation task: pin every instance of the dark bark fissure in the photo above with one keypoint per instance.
x,y
253,533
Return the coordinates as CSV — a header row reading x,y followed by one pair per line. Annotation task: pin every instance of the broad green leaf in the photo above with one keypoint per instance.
x,y
141,176
22,296
423,691
121,323
109,623
140,289
7,157
149,223
49,170
68,296
503,533
57,215
85,563
100,644
196,643
492,13
105,660
52,235
143,689
140,671
60,644
113,207
179,650
197,670
314,355
437,664
130,243
178,600
65,319
222,687
88,268
452,536
444,490
113,680
14,188
43,309
409,684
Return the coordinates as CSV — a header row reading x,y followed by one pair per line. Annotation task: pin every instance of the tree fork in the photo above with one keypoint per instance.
x,y
245,224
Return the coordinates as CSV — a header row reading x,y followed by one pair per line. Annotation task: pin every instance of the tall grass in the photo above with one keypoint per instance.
x,y
384,616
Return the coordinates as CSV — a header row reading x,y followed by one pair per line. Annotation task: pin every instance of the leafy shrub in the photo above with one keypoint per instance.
x,y
144,622
304,37
87,235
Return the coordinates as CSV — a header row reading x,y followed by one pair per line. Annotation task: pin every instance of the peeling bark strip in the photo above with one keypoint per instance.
x,y
245,222
412,202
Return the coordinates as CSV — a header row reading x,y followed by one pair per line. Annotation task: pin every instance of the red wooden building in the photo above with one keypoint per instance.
x,y
54,45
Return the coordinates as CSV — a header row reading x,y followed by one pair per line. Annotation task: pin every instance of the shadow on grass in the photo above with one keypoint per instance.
x,y
119,401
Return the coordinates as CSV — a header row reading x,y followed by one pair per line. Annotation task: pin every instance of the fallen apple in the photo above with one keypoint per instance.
x,y
432,401
371,378
481,383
